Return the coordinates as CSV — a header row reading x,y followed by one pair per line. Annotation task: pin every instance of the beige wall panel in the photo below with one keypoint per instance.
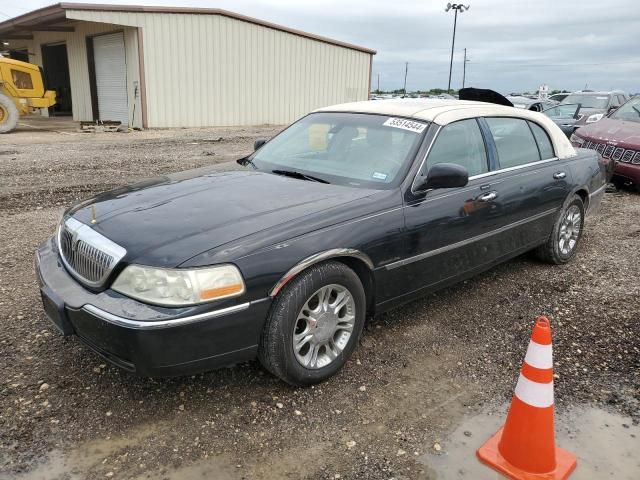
x,y
211,70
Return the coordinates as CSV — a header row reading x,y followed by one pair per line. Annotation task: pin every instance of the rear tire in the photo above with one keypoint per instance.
x,y
566,234
9,114
298,328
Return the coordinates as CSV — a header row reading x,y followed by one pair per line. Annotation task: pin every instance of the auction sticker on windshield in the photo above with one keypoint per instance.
x,y
405,124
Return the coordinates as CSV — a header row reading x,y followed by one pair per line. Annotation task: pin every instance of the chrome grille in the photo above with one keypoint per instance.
x,y
617,155
610,151
87,255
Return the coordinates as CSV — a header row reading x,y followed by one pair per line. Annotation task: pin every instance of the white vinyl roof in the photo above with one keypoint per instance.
x,y
443,112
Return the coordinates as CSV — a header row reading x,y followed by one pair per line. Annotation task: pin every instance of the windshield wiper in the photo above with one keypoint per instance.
x,y
299,175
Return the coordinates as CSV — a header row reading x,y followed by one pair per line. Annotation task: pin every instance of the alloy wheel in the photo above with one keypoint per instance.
x,y
323,327
570,230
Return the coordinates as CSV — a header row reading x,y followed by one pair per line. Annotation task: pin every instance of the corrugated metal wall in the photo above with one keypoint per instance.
x,y
78,64
210,70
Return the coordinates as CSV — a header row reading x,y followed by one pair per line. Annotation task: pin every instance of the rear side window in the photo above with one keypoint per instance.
x,y
514,141
460,143
544,144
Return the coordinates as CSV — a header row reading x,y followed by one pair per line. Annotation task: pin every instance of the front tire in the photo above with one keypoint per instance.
x,y
9,114
563,242
314,324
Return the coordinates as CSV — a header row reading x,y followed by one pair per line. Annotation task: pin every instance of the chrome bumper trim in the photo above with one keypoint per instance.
x,y
598,191
159,324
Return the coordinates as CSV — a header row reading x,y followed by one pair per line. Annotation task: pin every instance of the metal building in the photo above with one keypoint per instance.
x,y
184,67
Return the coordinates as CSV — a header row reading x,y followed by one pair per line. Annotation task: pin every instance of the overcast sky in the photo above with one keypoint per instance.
x,y
512,45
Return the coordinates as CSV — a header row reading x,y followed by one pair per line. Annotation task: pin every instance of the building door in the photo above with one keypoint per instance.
x,y
55,64
111,77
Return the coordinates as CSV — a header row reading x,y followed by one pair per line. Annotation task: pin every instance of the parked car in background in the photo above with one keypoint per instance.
x,y
617,139
350,211
565,116
595,105
558,97
533,104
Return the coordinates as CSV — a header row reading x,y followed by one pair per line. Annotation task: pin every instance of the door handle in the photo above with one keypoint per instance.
x,y
559,175
487,197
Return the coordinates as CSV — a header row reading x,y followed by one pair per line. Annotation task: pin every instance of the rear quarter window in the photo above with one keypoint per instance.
x,y
542,139
514,141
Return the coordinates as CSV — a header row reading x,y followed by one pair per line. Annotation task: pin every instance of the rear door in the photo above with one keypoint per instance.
x,y
530,184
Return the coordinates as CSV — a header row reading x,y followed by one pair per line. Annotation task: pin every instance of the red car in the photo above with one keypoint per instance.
x,y
617,140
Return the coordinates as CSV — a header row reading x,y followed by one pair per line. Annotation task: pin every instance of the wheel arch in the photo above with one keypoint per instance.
x,y
584,195
356,260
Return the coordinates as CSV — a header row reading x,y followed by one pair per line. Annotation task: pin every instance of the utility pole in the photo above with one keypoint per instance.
x,y
464,67
406,69
378,83
461,8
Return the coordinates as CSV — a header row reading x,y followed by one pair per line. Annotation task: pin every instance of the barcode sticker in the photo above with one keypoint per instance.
x,y
405,124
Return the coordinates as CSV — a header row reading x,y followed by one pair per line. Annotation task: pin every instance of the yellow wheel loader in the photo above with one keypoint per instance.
x,y
21,91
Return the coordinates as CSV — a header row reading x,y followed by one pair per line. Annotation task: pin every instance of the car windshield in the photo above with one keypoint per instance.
x,y
630,111
360,150
588,101
562,111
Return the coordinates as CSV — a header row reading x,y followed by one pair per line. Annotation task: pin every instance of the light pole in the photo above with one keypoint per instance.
x,y
456,7
464,67
406,70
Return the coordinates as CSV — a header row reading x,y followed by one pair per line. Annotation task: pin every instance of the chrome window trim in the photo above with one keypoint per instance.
x,y
511,169
319,257
88,235
424,159
462,243
160,324
481,175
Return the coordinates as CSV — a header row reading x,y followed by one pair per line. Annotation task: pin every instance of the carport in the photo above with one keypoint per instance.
x,y
162,67
93,66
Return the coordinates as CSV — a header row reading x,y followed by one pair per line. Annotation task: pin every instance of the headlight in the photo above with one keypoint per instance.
x,y
575,140
178,287
595,117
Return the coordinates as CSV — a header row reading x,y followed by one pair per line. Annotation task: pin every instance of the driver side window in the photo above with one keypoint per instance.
x,y
460,143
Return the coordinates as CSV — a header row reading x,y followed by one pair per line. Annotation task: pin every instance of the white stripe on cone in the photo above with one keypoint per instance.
x,y
539,356
536,394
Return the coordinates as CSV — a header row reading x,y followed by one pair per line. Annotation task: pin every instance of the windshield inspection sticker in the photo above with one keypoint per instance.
x,y
379,176
405,124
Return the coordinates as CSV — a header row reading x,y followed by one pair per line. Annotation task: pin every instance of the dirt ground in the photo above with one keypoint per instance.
x,y
418,373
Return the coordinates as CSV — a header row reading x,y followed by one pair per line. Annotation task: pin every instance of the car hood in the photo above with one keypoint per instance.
x,y
616,132
170,219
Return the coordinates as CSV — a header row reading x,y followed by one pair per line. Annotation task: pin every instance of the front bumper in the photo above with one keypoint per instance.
x,y
149,340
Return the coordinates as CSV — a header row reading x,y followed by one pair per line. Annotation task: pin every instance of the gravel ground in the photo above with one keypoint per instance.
x,y
65,414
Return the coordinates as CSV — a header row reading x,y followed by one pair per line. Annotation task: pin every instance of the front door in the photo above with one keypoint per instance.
x,y
447,230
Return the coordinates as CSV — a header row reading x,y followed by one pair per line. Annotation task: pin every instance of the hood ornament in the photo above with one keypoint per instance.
x,y
94,220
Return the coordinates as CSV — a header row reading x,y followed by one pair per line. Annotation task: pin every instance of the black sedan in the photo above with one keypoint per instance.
x,y
350,211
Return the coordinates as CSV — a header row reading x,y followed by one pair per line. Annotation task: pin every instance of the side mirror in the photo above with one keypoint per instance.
x,y
612,108
445,175
258,143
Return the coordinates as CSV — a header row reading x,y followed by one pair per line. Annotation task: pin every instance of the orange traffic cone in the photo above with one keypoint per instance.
x,y
524,448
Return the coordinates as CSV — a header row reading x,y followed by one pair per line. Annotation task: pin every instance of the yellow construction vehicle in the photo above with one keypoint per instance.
x,y
21,91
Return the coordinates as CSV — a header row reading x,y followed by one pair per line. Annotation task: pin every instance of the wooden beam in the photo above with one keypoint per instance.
x,y
46,28
18,36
